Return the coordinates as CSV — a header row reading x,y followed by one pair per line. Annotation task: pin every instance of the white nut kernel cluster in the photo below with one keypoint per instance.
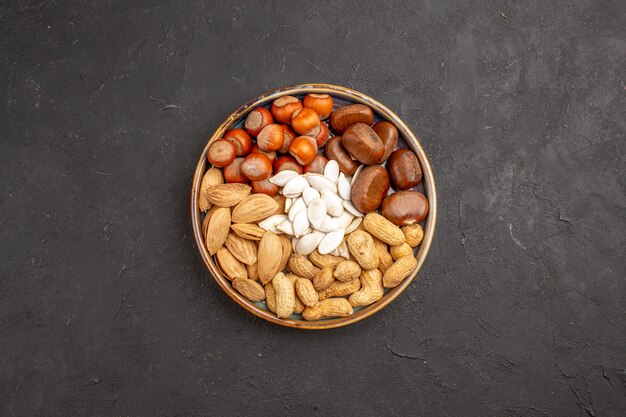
x,y
318,210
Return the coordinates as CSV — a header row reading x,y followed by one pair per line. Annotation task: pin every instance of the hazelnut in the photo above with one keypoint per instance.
x,y
264,187
241,140
288,136
321,135
304,149
370,188
232,172
388,134
283,107
305,121
287,162
363,143
271,154
317,166
404,169
334,150
257,119
405,207
257,166
270,138
343,117
321,103
221,153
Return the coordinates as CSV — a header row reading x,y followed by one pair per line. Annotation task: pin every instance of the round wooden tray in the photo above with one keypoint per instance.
x,y
407,139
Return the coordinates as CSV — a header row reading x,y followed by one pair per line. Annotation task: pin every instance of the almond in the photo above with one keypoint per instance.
x,y
254,208
218,228
400,269
228,195
252,290
253,271
269,257
248,231
211,178
383,229
287,251
242,249
230,266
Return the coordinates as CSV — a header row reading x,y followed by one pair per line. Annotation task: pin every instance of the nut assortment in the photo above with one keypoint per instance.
x,y
311,209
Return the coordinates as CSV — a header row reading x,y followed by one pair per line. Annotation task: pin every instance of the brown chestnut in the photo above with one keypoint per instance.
x,y
363,143
404,169
388,134
370,188
285,163
232,172
257,119
317,166
404,207
334,150
343,117
264,187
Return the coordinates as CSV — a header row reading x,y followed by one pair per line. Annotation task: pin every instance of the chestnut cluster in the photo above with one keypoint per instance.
x,y
295,135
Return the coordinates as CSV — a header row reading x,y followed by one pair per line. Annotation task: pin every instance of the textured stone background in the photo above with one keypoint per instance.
x,y
107,310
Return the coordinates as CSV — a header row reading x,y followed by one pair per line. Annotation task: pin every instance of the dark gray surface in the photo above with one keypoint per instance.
x,y
107,310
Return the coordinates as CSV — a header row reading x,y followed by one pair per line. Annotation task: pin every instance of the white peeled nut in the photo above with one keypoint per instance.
x,y
307,244
286,227
330,224
294,187
344,187
330,242
309,194
288,203
334,203
356,174
350,207
331,170
283,177
321,183
297,206
345,219
300,223
353,224
316,212
271,222
343,250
